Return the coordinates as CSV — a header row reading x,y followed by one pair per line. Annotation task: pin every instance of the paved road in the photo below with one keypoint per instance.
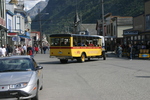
x,y
113,79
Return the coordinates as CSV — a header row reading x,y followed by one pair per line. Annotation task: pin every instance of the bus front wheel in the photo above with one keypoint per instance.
x,y
63,61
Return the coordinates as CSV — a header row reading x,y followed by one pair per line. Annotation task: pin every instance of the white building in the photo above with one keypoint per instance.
x,y
18,23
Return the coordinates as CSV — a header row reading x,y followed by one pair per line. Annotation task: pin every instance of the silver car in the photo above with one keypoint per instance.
x,y
20,78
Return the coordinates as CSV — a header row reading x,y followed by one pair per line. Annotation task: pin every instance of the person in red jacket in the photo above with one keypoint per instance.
x,y
36,49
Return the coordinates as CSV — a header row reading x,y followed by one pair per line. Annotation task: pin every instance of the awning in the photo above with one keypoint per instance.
x,y
27,34
23,36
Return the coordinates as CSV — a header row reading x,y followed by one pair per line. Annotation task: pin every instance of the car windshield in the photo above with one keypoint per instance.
x,y
7,65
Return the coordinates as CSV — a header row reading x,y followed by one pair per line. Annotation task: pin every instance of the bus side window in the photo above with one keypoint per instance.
x,y
75,42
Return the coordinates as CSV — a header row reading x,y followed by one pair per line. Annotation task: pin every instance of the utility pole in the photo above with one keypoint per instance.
x,y
104,45
41,35
103,17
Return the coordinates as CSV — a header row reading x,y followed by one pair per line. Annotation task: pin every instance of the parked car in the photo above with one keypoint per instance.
x,y
20,78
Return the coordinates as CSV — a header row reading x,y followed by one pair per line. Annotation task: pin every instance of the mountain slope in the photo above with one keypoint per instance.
x,y
62,12
34,11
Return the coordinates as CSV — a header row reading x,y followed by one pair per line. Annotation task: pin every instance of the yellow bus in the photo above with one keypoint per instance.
x,y
76,46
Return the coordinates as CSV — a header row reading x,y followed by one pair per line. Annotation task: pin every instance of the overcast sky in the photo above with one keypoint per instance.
x,y
29,3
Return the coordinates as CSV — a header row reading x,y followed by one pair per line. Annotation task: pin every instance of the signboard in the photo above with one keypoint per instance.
x,y
16,38
130,32
12,34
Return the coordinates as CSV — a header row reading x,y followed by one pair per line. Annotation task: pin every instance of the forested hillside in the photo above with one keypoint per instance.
x,y
62,12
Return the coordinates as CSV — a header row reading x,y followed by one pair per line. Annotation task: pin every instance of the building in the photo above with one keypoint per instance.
x,y
9,23
18,23
3,29
113,29
88,29
140,34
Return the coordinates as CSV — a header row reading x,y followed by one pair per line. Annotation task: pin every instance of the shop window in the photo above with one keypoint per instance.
x,y
143,37
148,22
131,37
135,37
139,37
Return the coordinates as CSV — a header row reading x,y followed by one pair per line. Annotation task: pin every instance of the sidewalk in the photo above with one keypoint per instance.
x,y
110,54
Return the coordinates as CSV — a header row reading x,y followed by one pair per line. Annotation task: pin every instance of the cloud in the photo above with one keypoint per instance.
x,y
29,3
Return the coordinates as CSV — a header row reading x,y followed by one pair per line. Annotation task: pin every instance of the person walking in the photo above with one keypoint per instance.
x,y
25,49
17,50
119,51
30,51
9,50
130,51
36,49
0,51
3,51
44,49
21,50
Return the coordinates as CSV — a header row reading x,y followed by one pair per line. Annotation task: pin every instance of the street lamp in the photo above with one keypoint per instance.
x,y
41,34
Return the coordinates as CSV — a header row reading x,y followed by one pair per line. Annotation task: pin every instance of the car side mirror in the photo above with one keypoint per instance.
x,y
39,67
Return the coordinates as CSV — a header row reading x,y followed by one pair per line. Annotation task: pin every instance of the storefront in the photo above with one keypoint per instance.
x,y
140,42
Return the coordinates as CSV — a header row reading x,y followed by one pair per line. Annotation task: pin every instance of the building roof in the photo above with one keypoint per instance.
x,y
91,28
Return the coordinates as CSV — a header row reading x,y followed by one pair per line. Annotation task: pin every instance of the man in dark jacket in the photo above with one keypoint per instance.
x,y
9,50
130,51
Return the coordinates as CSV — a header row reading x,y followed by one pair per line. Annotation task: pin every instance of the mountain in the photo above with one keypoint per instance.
x,y
34,11
62,13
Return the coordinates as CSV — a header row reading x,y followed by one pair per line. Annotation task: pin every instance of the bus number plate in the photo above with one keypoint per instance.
x,y
59,52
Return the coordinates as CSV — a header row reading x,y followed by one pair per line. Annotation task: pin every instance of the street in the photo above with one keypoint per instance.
x,y
110,79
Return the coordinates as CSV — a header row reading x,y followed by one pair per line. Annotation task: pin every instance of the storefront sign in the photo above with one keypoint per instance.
x,y
130,32
12,34
16,38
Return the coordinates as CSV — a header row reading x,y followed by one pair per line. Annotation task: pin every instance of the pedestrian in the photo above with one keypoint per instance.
x,y
44,49
30,51
25,49
36,49
119,51
9,50
21,50
0,51
3,51
17,50
130,51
